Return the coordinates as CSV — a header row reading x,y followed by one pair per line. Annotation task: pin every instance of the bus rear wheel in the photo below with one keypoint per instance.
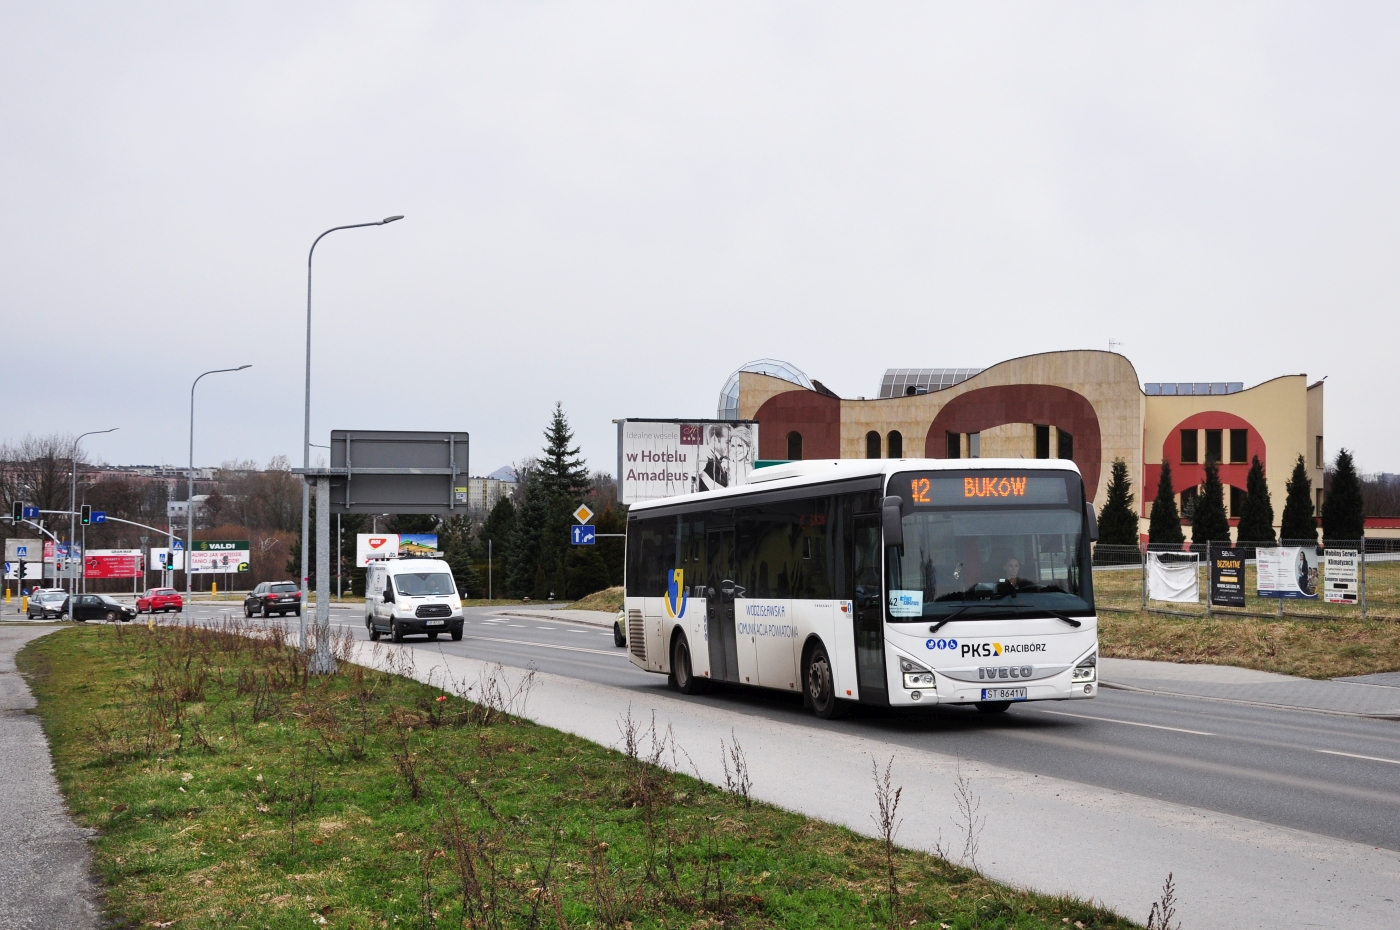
x,y
821,685
682,678
993,707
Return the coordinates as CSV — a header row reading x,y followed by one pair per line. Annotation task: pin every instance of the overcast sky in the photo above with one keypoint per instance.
x,y
617,205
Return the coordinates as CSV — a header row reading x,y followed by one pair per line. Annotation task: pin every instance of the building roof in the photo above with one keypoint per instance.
x,y
900,382
729,394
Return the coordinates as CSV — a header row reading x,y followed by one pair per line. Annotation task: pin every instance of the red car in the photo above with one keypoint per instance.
x,y
159,600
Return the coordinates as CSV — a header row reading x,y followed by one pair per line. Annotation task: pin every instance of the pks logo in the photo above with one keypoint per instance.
x,y
981,650
942,644
676,595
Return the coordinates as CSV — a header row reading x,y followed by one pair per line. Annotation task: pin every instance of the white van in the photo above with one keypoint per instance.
x,y
408,596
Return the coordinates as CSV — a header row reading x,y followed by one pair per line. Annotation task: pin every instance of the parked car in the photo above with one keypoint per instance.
x,y
160,600
86,607
414,595
273,597
49,604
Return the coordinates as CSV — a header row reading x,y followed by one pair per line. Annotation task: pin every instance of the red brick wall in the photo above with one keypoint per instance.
x,y
1187,475
816,416
1046,404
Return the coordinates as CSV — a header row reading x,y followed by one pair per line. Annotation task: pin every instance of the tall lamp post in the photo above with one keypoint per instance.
x,y
73,500
306,453
189,500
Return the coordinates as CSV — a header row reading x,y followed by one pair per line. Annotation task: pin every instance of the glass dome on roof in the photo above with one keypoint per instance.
x,y
729,394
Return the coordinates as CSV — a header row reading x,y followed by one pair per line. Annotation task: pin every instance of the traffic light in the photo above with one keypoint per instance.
x,y
18,512
86,517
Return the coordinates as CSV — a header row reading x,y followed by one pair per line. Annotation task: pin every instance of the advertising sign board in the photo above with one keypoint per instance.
x,y
167,559
23,549
216,556
1287,571
112,563
664,458
1341,582
392,545
397,471
1226,578
31,570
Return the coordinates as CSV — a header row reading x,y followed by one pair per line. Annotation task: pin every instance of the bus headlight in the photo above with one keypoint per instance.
x,y
1087,669
915,675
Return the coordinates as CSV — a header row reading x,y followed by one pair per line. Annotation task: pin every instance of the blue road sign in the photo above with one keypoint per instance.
x,y
177,545
21,552
582,535
31,513
99,516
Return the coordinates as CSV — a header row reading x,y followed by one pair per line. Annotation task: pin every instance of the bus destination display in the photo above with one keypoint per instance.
x,y
943,489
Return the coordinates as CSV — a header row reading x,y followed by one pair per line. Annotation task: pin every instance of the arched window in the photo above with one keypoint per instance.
x,y
794,446
896,444
872,445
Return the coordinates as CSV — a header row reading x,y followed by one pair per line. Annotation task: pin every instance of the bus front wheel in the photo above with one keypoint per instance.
x,y
682,678
821,685
993,707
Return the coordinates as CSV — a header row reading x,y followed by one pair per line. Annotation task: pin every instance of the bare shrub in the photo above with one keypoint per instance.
x,y
970,821
406,761
887,820
736,781
1164,909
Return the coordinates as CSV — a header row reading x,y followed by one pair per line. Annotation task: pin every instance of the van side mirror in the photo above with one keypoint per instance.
x,y
388,594
891,518
1093,522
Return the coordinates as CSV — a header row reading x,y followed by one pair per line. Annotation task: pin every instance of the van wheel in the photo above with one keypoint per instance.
x,y
993,707
395,633
681,677
432,636
820,685
373,634
457,635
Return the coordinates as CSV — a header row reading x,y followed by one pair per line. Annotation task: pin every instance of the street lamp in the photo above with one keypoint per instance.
x,y
189,500
306,442
73,499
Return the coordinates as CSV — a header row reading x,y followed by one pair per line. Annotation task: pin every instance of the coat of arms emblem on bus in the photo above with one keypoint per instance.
x,y
676,596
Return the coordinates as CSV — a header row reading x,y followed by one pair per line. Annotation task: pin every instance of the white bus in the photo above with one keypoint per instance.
x,y
894,582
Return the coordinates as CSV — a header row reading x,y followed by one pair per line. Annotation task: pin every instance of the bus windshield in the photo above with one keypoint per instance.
x,y
980,538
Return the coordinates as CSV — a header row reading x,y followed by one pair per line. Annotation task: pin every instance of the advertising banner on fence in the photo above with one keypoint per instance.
x,y
1287,571
1226,578
392,545
1171,576
216,556
1341,579
112,563
664,458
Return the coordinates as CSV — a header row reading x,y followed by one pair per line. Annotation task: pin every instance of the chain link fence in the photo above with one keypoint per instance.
x,y
1302,579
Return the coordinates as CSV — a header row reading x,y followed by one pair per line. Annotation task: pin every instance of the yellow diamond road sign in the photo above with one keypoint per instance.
x,y
583,514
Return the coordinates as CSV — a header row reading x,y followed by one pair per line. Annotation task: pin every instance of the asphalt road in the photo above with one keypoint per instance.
x,y
1331,775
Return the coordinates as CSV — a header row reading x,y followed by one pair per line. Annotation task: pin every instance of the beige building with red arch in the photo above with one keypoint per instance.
x,y
1084,405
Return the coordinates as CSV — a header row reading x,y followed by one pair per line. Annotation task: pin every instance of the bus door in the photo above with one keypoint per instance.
x,y
869,606
719,604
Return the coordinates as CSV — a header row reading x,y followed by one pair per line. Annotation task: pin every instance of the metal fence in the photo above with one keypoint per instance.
x,y
1335,580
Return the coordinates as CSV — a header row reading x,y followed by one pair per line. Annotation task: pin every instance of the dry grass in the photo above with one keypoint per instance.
x,y
609,599
1332,644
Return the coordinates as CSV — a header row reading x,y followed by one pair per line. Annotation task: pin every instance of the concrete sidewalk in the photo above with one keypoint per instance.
x,y
1361,696
44,858
1044,833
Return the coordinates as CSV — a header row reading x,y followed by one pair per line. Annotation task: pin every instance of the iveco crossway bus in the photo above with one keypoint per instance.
x,y
902,582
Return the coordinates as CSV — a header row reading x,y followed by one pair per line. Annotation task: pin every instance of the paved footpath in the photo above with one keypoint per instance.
x,y
1361,696
45,878
1040,832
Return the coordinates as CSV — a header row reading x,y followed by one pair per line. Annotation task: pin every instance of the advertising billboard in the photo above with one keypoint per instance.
x,y
112,563
217,556
664,458
1287,571
1340,576
392,545
1227,578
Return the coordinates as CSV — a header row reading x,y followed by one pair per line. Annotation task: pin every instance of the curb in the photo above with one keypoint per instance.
x,y
544,615
1205,697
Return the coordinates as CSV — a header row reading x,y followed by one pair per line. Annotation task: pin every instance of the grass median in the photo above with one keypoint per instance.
x,y
1332,641
230,789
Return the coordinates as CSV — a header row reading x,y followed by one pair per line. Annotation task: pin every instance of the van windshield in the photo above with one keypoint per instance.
x,y
424,584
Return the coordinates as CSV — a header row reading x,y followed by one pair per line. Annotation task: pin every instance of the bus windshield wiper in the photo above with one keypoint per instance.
x,y
1053,613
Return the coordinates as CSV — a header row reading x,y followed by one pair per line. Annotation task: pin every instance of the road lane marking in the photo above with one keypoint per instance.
x,y
546,628
580,631
1154,726
1352,755
518,642
518,626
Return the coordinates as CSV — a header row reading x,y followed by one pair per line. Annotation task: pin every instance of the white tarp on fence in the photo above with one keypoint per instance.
x,y
1174,580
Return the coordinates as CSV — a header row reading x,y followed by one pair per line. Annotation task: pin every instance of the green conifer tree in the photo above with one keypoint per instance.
x,y
522,554
1299,524
1118,521
1343,508
493,543
455,543
1210,524
1257,509
1164,525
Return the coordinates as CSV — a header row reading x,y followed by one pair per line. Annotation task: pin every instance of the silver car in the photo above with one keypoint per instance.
x,y
49,605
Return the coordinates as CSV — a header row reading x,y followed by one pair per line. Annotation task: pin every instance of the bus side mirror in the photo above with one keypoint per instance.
x,y
893,524
1093,522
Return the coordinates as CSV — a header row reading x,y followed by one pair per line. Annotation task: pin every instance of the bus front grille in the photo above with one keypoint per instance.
x,y
637,634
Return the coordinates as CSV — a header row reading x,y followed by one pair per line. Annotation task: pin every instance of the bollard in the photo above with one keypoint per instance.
x,y
24,605
214,589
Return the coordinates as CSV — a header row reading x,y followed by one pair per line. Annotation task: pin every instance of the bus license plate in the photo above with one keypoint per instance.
x,y
1003,694
441,622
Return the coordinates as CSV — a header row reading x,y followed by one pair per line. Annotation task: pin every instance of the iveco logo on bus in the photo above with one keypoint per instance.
x,y
988,650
